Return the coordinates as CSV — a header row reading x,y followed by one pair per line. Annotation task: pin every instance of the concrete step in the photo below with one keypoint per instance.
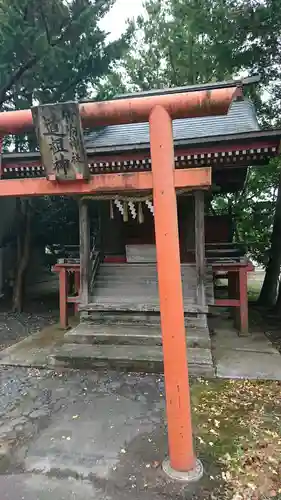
x,y
137,292
145,271
138,285
127,358
129,304
144,266
137,318
93,333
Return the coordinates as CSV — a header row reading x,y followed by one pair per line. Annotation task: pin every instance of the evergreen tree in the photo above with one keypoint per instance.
x,y
181,42
50,50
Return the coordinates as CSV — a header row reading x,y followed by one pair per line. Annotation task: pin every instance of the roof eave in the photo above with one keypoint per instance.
x,y
259,134
245,136
239,82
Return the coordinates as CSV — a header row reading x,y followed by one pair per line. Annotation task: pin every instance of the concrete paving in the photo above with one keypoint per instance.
x,y
81,442
229,340
251,357
38,487
97,437
248,365
33,351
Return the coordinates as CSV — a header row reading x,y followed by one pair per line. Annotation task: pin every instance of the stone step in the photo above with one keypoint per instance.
x,y
117,274
144,272
144,265
138,302
136,318
147,269
93,333
127,358
146,284
129,304
142,292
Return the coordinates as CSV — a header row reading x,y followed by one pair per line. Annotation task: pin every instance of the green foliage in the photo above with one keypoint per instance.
x,y
253,209
181,42
55,220
52,50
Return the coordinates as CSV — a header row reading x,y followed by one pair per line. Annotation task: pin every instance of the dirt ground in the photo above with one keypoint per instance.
x,y
37,315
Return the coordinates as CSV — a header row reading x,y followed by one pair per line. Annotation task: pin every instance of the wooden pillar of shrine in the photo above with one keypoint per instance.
x,y
181,452
200,246
84,230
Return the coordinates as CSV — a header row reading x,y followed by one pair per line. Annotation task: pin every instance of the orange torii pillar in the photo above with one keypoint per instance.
x,y
182,464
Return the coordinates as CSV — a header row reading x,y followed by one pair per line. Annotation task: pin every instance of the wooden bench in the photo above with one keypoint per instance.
x,y
65,270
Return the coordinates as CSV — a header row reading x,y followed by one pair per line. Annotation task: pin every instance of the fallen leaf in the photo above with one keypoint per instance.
x,y
155,464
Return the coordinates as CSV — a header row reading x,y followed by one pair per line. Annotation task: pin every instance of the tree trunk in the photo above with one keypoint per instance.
x,y
277,308
23,252
269,289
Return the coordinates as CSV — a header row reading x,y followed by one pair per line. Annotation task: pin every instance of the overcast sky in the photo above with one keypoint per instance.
x,y
115,21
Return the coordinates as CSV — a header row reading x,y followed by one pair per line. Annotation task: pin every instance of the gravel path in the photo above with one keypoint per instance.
x,y
16,384
15,327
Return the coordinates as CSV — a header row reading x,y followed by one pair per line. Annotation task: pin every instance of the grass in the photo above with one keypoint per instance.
x,y
254,288
237,426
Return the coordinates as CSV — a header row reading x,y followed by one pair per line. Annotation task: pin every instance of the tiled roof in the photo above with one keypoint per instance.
x,y
241,118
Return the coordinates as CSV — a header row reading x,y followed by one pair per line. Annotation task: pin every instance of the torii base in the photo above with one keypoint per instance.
x,y
191,476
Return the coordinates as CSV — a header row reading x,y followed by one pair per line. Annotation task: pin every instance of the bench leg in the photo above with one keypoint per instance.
x,y
243,309
233,293
232,285
77,289
63,298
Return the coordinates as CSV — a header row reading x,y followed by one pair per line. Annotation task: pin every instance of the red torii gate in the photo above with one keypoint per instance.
x,y
159,110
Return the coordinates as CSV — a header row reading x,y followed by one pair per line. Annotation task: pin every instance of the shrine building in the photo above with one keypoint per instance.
x,y
119,251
